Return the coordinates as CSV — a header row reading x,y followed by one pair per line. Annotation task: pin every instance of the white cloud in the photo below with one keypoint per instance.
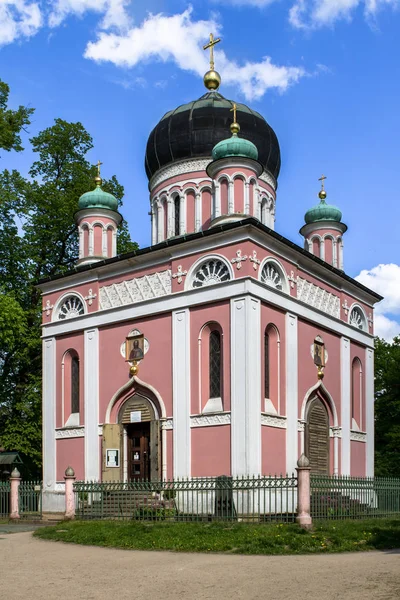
x,y
384,279
311,14
113,11
258,3
18,19
179,39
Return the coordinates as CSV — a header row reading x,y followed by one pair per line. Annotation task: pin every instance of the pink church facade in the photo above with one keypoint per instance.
x,y
230,311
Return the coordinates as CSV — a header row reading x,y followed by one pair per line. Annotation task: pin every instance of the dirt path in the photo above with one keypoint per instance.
x,y
39,569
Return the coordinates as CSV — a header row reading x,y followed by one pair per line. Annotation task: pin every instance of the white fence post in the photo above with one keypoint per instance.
x,y
303,492
69,493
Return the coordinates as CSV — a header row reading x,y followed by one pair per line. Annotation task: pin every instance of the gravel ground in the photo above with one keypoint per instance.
x,y
40,569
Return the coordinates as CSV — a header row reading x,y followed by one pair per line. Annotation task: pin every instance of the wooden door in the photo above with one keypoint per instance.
x,y
139,452
317,437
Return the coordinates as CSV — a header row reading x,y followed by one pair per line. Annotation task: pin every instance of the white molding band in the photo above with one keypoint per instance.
x,y
181,392
199,296
49,416
69,432
291,391
210,420
91,402
369,410
245,386
345,403
181,167
273,421
359,436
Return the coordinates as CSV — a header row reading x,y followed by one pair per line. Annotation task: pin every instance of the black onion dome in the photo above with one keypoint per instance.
x,y
192,130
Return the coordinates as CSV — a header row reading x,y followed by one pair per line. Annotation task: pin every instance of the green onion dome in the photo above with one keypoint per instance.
x,y
98,198
323,211
235,146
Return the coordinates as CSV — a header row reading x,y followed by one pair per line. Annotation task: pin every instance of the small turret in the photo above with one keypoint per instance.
x,y
97,219
323,231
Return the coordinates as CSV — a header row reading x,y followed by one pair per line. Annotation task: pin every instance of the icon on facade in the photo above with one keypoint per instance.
x,y
319,357
134,352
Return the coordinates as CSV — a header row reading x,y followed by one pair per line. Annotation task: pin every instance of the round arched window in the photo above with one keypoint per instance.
x,y
211,272
71,307
272,275
357,318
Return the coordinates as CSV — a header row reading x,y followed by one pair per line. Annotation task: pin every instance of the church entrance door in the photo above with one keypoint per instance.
x,y
317,437
138,451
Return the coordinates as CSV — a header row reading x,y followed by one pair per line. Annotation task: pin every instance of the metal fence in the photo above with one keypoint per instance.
x,y
256,499
30,499
4,499
354,497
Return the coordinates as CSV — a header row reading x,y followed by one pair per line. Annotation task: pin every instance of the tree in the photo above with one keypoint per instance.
x,y
38,239
387,407
11,121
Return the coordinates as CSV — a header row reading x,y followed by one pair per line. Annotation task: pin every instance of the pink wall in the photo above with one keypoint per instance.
x,y
216,313
211,455
70,452
190,211
64,343
114,371
238,195
170,454
273,316
252,200
358,388
308,371
224,196
357,459
206,200
273,450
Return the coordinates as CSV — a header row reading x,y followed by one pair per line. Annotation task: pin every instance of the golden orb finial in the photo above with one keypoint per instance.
x,y
212,78
322,194
98,180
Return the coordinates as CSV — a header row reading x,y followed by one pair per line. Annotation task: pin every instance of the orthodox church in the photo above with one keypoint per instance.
x,y
221,349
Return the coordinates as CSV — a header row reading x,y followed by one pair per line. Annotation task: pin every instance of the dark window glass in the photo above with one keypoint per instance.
x,y
177,203
75,385
266,365
215,365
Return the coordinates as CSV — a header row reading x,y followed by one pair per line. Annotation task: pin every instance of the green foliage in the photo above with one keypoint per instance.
x,y
38,239
11,121
387,407
232,538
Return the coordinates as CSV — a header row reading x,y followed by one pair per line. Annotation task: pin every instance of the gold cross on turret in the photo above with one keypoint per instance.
x,y
235,127
98,165
234,109
322,180
210,46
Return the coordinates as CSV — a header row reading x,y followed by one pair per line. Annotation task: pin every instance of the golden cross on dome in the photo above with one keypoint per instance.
x,y
98,165
322,180
234,109
211,45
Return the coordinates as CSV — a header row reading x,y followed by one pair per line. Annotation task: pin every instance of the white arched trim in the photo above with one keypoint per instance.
x,y
205,259
279,268
61,300
365,320
327,397
224,176
128,386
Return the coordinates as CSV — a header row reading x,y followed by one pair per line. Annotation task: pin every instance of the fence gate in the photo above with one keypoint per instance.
x,y
30,499
4,499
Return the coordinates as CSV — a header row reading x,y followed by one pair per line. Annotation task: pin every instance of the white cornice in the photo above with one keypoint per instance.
x,y
178,167
201,296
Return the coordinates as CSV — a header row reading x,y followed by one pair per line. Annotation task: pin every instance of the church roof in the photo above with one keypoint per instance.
x,y
175,241
193,129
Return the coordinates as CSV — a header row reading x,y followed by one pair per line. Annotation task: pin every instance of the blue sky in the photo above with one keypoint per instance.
x,y
324,73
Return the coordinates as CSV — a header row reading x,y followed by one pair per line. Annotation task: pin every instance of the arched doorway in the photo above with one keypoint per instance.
x,y
141,431
317,436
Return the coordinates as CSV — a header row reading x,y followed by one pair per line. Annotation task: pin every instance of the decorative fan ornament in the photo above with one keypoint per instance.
x,y
210,273
271,276
71,307
357,318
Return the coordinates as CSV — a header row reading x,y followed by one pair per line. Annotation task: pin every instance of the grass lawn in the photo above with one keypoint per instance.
x,y
233,538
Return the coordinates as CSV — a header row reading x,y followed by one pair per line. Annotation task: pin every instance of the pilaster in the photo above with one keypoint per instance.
x,y
291,391
245,386
369,410
345,394
91,403
49,416
181,392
